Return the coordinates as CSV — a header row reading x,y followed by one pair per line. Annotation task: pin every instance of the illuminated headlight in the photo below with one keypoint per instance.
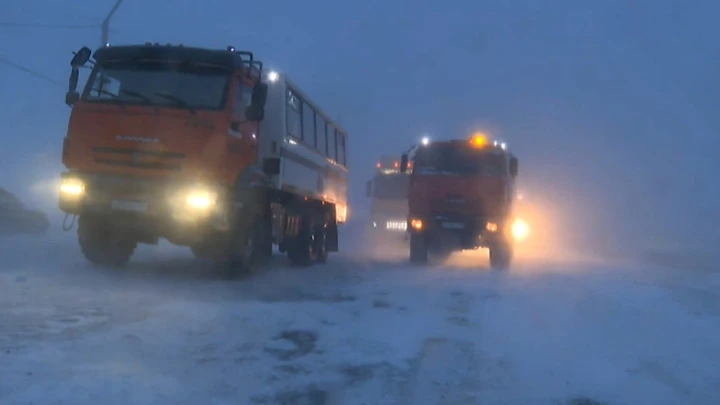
x,y
195,202
201,199
520,229
72,187
396,225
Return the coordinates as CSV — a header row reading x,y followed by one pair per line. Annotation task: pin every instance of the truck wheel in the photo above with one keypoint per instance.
x,y
243,250
321,245
100,245
501,256
303,249
418,249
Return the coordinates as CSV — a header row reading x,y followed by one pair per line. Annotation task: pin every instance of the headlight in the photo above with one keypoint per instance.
x,y
201,199
195,202
520,229
72,187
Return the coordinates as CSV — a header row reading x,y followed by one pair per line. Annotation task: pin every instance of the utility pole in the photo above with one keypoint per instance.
x,y
106,23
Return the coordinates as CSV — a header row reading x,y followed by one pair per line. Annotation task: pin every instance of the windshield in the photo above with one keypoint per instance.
x,y
391,186
159,84
454,159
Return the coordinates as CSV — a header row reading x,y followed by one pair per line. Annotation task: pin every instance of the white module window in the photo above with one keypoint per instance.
x,y
308,123
331,145
292,117
319,133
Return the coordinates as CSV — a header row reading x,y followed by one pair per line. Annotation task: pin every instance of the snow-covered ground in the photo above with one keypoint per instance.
x,y
356,331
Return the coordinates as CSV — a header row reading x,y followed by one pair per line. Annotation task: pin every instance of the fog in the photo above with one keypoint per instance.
x,y
610,106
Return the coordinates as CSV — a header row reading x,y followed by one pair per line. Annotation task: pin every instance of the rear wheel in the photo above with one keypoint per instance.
x,y
303,250
321,244
501,256
101,244
418,248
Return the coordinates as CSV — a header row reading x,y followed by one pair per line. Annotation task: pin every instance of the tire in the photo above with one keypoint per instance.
x,y
100,244
501,256
418,249
242,252
321,245
303,249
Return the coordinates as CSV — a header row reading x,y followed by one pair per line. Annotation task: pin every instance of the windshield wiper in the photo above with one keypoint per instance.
x,y
180,102
136,94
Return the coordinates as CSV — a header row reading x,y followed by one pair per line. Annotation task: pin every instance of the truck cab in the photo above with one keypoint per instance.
x,y
460,196
387,192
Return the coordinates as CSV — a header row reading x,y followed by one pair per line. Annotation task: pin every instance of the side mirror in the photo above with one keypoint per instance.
x,y
271,166
81,57
71,97
73,81
368,189
256,110
259,95
513,166
254,113
404,163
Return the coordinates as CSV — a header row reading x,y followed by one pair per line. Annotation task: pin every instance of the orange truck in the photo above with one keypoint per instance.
x,y
203,148
461,196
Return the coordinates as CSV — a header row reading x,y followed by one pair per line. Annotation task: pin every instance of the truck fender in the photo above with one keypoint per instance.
x,y
250,187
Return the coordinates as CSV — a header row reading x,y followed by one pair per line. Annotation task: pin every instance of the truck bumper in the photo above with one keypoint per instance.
x,y
453,231
180,211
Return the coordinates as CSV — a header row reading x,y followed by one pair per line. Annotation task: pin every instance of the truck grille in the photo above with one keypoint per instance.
x,y
457,204
139,158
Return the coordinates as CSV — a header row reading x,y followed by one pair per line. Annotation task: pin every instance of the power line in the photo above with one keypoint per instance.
x,y
60,26
31,72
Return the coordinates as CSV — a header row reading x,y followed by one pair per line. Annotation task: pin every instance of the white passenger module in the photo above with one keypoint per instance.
x,y
311,147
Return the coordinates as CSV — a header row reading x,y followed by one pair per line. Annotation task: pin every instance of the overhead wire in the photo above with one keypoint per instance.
x,y
5,60
58,26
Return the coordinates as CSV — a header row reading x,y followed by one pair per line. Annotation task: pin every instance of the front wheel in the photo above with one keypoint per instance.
x,y
101,245
243,249
501,256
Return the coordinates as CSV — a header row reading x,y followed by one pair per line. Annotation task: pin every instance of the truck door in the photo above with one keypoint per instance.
x,y
242,134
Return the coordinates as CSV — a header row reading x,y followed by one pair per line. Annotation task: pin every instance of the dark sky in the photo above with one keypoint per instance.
x,y
611,105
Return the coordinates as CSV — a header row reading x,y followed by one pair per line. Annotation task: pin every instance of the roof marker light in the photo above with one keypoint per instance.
x,y
478,140
425,140
273,76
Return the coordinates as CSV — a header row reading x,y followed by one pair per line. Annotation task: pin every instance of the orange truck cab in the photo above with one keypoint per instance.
x,y
387,192
192,145
460,196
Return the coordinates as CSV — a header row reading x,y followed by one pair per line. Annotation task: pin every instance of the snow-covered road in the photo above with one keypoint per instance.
x,y
166,331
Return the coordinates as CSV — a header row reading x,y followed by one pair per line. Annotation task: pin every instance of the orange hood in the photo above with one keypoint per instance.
x,y
144,140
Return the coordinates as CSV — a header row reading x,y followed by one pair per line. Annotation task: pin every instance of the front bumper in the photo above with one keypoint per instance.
x,y
458,230
131,200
